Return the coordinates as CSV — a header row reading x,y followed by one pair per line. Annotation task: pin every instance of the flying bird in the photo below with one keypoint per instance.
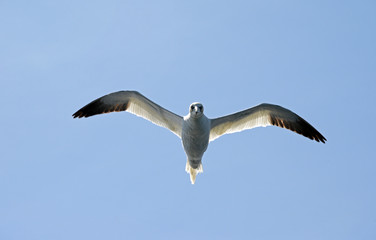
x,y
196,130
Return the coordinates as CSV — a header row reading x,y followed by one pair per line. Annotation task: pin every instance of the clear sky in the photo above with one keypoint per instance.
x,y
117,176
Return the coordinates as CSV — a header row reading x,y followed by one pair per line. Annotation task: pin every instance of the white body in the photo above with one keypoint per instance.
x,y
195,139
195,129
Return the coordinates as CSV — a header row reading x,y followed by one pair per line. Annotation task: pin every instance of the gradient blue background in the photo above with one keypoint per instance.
x,y
117,176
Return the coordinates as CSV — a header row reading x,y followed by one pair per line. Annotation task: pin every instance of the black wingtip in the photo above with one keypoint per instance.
x,y
301,126
99,107
78,114
90,109
318,137
323,139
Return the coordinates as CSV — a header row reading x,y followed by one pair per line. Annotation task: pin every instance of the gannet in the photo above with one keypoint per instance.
x,y
196,130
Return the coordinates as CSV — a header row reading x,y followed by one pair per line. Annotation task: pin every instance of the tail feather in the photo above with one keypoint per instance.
x,y
193,171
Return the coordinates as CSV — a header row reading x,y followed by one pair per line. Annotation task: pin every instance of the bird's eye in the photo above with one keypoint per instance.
x,y
200,108
192,107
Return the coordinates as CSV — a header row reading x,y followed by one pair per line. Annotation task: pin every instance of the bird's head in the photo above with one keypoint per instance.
x,y
196,110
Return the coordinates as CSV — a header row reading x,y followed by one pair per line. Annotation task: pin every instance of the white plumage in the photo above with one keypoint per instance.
x,y
195,129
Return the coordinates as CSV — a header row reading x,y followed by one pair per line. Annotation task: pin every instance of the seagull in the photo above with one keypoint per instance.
x,y
196,130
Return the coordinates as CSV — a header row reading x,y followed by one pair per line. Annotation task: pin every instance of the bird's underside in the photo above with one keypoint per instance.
x,y
195,128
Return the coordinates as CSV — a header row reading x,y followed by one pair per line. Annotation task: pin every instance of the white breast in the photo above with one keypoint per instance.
x,y
195,136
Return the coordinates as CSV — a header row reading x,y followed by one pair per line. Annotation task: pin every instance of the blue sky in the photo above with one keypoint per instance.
x,y
117,176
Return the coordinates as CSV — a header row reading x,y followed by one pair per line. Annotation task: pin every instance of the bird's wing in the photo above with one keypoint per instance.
x,y
136,103
261,116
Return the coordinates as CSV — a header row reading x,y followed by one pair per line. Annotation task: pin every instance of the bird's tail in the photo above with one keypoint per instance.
x,y
193,171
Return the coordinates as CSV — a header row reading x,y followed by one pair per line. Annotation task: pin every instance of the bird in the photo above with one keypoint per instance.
x,y
195,129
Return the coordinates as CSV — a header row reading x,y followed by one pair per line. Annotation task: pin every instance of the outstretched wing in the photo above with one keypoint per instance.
x,y
261,116
136,103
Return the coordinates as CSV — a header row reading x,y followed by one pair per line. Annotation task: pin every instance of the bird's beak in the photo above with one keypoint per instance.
x,y
197,110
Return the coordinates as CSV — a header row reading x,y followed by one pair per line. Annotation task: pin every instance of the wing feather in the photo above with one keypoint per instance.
x,y
136,103
261,116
